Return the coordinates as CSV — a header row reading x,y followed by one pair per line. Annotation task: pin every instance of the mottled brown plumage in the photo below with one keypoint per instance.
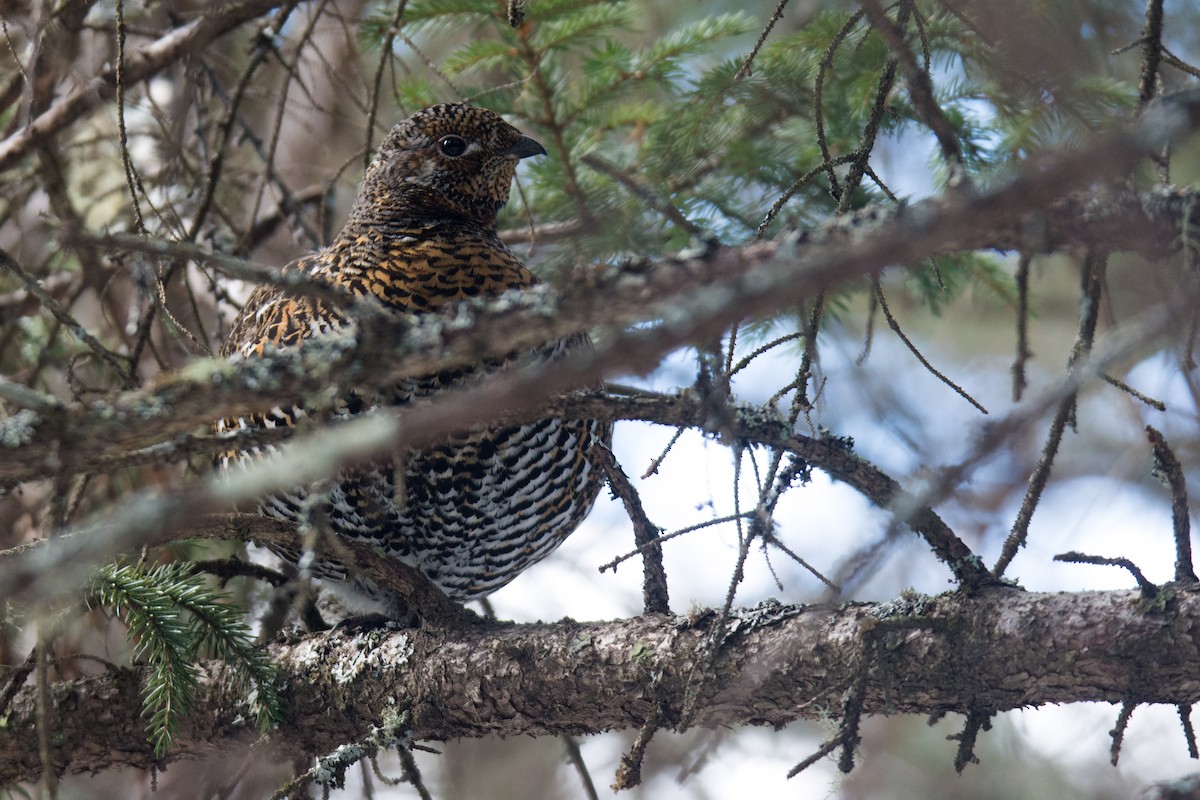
x,y
474,513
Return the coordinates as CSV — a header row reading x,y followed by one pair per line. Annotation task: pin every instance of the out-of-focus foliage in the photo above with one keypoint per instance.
x,y
680,126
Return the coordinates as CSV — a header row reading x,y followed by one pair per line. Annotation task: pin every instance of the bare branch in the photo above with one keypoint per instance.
x,y
139,65
920,88
1148,589
696,299
912,348
745,71
1152,52
155,519
1023,352
1170,472
645,532
1093,266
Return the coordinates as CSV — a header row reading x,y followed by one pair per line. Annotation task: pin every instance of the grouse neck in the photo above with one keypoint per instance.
x,y
358,231
402,204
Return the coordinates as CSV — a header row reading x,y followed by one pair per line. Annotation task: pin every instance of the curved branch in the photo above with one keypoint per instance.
x,y
152,519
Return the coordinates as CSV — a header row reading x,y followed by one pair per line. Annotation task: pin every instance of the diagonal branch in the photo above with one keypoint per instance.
x,y
692,299
920,88
154,519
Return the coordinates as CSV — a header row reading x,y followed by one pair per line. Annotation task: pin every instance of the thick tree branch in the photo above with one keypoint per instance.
x,y
1002,649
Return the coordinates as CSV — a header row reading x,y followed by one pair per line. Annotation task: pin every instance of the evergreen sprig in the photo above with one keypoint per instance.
x,y
174,617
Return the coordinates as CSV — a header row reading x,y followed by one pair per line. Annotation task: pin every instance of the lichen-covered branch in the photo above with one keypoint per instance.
x,y
1001,649
692,299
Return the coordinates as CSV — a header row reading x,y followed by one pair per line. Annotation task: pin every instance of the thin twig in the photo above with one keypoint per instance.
x,y
774,541
542,89
1151,41
412,773
730,350
825,749
852,704
657,462
920,88
1093,267
1148,589
801,403
1168,470
869,333
45,730
1189,733
131,179
745,70
698,676
234,567
823,68
68,321
645,532
866,144
22,76
771,345
796,186
629,771
977,719
431,64
1023,352
640,188
297,282
1179,64
1118,731
658,540
385,55
581,768
258,56
895,326
17,679
290,77
1157,405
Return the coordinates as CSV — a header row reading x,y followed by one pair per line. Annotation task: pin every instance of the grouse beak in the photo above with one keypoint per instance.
x,y
524,147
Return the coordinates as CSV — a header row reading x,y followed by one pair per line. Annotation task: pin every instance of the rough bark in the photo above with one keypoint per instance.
x,y
998,650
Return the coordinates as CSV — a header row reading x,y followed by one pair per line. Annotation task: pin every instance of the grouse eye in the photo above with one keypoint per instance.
x,y
453,146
